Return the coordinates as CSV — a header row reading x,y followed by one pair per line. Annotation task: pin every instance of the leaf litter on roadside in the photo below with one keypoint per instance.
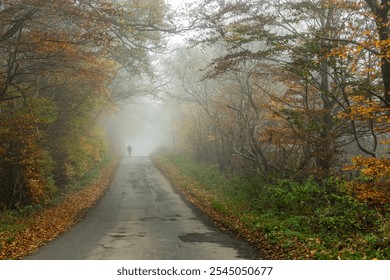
x,y
49,223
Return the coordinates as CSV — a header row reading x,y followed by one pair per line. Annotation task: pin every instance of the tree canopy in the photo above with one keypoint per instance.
x,y
58,59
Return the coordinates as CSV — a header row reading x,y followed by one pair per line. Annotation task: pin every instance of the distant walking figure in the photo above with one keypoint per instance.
x,y
129,149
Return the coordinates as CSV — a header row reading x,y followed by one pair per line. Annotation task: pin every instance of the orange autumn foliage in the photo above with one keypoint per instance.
x,y
375,189
23,158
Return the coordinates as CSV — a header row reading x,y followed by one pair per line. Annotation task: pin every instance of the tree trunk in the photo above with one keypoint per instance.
x,y
381,12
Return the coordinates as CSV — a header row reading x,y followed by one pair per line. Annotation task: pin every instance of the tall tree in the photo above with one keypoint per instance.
x,y
380,14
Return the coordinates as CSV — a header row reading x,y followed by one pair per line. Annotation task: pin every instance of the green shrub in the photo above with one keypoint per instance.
x,y
344,214
292,197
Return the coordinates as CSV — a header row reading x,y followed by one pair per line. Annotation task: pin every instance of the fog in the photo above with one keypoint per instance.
x,y
145,124
141,121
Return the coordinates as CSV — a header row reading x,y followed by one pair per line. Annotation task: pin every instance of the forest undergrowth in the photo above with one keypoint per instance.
x,y
24,230
284,219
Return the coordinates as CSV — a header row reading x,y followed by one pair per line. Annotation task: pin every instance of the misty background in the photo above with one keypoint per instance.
x,y
145,124
143,119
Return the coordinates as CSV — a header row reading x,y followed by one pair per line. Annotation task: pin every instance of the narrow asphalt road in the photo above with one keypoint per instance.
x,y
141,217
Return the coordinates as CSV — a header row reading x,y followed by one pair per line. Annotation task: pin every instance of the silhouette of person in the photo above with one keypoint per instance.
x,y
129,149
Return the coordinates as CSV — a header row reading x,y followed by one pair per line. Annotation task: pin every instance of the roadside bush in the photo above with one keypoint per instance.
x,y
25,165
327,208
344,215
293,197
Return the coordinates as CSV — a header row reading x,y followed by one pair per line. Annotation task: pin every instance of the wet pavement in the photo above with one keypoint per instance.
x,y
142,217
